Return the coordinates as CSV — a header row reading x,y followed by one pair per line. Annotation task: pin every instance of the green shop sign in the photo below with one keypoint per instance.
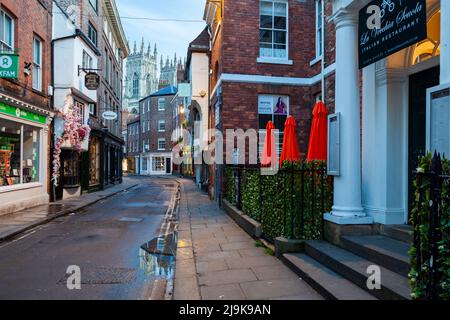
x,y
9,66
22,114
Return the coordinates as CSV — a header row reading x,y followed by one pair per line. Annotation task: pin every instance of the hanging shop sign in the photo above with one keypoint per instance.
x,y
22,114
9,66
109,115
388,26
92,81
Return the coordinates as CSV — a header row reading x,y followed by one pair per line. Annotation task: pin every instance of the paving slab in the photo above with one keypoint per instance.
x,y
228,265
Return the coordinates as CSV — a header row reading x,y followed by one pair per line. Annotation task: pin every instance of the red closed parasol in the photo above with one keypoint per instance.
x,y
266,158
317,149
290,150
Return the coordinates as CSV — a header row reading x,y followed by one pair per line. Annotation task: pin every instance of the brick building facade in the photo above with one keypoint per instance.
x,y
157,122
25,113
266,54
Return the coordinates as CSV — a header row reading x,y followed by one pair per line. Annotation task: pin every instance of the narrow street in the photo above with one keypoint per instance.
x,y
104,240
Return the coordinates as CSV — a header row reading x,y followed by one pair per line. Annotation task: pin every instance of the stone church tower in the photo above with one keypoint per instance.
x,y
172,72
141,78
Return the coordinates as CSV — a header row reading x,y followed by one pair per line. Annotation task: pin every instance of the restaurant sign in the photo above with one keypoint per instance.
x,y
22,114
9,66
388,26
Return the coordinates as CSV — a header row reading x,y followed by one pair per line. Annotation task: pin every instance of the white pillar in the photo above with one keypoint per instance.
x,y
347,207
445,41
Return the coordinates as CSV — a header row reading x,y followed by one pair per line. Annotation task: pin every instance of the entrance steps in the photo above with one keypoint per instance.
x,y
342,272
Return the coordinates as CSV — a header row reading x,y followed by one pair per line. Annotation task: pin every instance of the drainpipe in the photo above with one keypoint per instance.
x,y
323,51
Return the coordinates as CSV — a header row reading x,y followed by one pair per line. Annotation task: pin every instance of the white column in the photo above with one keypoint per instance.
x,y
445,41
347,207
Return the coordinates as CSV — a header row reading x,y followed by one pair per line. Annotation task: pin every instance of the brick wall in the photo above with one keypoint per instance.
x,y
32,18
154,116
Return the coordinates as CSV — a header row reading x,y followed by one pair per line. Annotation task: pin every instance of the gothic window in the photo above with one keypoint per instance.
x,y
136,85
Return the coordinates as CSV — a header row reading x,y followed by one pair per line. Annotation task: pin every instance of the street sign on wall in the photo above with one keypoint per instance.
x,y
9,66
109,115
388,26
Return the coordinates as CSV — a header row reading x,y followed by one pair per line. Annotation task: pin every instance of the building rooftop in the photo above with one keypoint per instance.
x,y
167,91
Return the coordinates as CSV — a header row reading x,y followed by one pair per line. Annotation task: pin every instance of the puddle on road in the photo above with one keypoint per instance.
x,y
157,257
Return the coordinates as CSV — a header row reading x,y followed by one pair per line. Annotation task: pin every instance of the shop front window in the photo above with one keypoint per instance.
x,y
19,153
71,168
158,164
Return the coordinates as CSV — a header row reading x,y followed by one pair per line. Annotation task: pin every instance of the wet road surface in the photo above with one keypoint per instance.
x,y
104,240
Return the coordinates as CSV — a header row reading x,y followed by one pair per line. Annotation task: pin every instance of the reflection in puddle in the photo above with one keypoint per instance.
x,y
156,264
157,257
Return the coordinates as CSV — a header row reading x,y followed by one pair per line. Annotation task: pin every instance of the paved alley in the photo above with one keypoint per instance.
x,y
217,260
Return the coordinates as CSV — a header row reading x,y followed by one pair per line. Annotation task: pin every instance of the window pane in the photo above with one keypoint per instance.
x,y
31,141
9,153
265,50
37,51
266,22
280,9
265,36
280,37
266,8
280,23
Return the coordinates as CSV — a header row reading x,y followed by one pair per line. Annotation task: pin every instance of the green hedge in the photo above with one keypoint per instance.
x,y
290,203
419,274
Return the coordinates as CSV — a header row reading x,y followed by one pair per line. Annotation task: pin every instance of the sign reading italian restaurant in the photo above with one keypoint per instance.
x,y
388,26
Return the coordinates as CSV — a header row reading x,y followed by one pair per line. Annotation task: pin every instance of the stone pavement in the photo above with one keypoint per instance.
x,y
15,223
217,260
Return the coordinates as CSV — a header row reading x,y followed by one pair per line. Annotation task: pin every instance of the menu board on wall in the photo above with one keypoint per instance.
x,y
334,150
438,120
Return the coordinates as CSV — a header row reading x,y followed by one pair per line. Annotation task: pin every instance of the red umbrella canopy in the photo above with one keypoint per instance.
x,y
290,150
266,158
317,149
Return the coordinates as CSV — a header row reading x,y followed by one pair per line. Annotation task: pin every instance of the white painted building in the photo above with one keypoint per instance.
x,y
375,184
72,51
197,74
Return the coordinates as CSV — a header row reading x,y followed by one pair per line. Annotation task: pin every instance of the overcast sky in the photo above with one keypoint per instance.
x,y
170,36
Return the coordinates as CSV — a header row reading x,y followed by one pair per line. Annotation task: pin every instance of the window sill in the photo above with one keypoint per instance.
x,y
19,187
275,61
316,60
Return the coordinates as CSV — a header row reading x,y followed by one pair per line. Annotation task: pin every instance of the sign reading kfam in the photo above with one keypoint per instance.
x,y
388,26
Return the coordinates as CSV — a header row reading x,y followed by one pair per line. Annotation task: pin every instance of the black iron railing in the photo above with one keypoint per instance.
x,y
290,203
430,255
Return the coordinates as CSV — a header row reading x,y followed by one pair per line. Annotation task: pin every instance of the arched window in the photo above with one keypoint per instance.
x,y
135,85
431,46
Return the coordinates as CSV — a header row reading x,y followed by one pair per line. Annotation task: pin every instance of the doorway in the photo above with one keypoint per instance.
x,y
168,166
418,85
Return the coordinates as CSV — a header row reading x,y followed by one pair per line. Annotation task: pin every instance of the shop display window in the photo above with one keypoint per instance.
x,y
19,153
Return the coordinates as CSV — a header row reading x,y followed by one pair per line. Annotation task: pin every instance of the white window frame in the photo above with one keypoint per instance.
x,y
92,109
160,107
87,62
272,59
3,43
319,29
37,65
160,122
165,145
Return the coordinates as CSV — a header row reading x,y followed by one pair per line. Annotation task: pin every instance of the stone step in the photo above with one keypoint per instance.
x,y
325,281
387,252
354,268
401,232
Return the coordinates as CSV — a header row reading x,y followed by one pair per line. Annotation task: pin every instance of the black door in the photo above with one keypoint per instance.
x,y
418,85
168,166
